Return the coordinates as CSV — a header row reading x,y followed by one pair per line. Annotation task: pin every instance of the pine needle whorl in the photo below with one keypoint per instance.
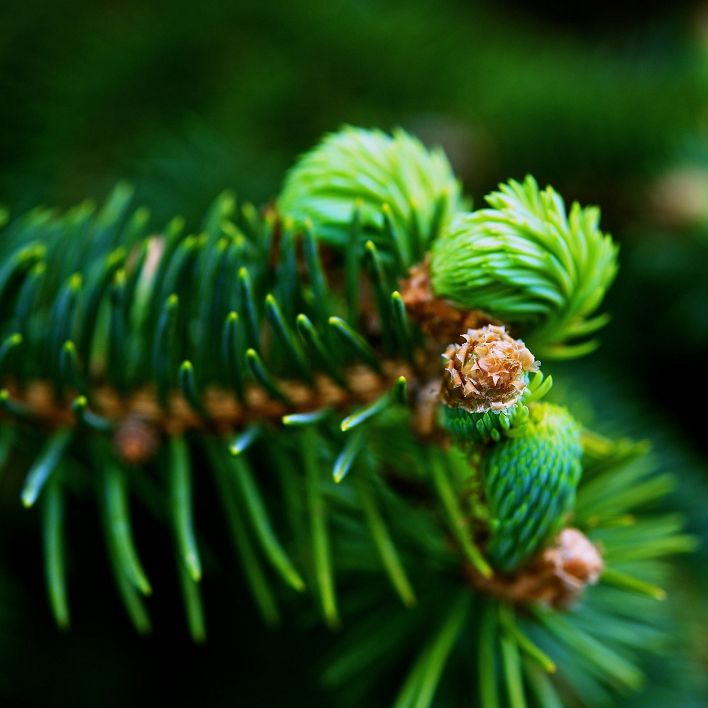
x,y
529,262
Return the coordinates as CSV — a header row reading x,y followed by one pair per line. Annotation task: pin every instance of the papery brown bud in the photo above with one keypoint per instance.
x,y
487,371
556,577
576,560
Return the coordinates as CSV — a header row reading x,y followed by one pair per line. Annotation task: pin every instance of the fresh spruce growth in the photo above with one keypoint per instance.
x,y
529,483
273,353
532,264
402,194
469,429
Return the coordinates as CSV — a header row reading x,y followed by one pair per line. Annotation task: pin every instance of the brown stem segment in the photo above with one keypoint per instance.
x,y
439,318
223,410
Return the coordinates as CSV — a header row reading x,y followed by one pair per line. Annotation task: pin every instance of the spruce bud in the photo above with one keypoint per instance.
x,y
487,372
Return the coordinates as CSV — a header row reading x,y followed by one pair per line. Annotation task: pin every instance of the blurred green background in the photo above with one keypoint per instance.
x,y
608,103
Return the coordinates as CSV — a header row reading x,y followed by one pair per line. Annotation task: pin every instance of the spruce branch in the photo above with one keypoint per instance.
x,y
375,432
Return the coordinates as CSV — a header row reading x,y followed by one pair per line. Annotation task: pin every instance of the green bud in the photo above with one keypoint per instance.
x,y
529,482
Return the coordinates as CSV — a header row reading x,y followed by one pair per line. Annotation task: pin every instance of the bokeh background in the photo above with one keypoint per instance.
x,y
608,103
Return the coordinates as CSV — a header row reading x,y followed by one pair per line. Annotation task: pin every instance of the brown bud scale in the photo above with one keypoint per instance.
x,y
486,372
557,576
439,318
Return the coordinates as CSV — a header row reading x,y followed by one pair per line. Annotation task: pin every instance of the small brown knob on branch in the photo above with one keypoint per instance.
x,y
136,440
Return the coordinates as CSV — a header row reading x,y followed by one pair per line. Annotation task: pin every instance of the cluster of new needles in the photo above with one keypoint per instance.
x,y
353,375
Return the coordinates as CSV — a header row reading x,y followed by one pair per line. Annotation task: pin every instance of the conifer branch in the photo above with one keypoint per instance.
x,y
358,342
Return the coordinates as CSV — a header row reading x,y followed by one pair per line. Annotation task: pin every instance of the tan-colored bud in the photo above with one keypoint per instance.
x,y
486,372
557,576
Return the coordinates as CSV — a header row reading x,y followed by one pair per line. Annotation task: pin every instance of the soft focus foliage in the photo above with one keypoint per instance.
x,y
382,175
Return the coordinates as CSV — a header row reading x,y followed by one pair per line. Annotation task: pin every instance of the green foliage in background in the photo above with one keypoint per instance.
x,y
185,99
